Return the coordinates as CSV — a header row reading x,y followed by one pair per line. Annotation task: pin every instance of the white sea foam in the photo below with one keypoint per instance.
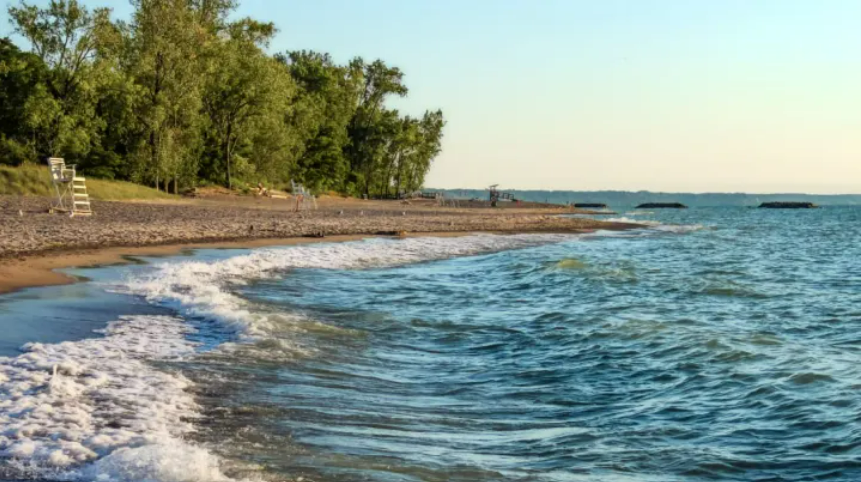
x,y
679,228
659,226
96,409
202,288
634,221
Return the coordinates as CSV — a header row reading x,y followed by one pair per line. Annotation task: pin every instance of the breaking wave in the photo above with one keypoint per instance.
x,y
659,226
97,409
202,289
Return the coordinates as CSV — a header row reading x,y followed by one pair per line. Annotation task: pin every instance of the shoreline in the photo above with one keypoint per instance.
x,y
41,269
34,244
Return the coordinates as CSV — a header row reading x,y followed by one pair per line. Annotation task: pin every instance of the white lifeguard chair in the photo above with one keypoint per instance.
x,y
304,200
70,189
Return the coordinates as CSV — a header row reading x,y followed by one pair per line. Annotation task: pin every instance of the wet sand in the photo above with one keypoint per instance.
x,y
34,243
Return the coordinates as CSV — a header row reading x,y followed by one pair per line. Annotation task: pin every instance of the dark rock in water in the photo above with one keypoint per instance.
x,y
788,205
590,205
662,206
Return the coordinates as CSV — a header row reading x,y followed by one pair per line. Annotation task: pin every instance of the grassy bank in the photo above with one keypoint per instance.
x,y
35,180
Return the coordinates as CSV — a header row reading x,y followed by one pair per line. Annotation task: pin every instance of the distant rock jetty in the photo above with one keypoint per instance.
x,y
788,205
590,205
662,206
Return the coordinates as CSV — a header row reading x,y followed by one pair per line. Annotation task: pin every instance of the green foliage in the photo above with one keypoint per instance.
x,y
246,96
60,109
22,75
324,105
183,94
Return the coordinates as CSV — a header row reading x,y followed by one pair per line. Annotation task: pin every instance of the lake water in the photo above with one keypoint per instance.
x,y
713,344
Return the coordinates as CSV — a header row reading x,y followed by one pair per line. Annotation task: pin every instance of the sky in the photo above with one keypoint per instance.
x,y
661,95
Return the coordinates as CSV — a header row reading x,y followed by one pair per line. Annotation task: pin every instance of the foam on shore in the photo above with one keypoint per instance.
x,y
202,289
659,226
96,409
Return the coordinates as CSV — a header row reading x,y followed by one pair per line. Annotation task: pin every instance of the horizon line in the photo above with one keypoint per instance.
x,y
700,193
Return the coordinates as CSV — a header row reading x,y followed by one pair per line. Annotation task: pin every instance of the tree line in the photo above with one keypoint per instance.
x,y
183,94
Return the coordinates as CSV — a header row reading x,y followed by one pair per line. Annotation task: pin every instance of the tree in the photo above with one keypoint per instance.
x,y
413,146
212,14
66,37
368,126
324,104
21,75
245,92
182,93
403,151
167,61
429,145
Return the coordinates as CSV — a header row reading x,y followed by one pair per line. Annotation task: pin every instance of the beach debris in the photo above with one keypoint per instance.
x,y
341,212
403,213
20,213
261,190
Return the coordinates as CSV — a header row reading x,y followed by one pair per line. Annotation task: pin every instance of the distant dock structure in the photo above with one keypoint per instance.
x,y
495,195
788,205
662,206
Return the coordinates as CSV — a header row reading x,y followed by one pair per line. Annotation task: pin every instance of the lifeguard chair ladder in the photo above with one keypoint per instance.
x,y
304,199
70,189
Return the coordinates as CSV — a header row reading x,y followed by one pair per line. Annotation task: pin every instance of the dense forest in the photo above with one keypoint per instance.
x,y
184,94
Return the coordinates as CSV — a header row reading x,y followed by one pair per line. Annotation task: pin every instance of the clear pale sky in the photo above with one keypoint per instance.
x,y
672,95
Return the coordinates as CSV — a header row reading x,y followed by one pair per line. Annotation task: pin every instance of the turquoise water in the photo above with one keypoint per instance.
x,y
713,344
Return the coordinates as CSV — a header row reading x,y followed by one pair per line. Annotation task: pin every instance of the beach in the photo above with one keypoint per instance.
x,y
614,355
33,242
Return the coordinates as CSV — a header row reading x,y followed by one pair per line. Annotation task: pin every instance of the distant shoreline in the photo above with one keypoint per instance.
x,y
34,244
617,199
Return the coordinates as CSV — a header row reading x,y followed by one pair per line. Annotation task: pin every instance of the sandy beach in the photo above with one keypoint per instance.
x,y
33,243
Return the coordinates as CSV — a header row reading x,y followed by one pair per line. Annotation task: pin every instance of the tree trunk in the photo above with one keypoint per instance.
x,y
398,178
153,156
227,155
395,161
156,89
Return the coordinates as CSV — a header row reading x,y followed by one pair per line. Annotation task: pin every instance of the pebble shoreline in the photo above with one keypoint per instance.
x,y
27,229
